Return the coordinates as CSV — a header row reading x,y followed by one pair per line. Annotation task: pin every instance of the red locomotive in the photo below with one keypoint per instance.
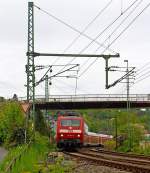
x,y
70,131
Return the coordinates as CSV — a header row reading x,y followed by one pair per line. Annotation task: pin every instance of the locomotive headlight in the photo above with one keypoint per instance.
x,y
78,135
61,135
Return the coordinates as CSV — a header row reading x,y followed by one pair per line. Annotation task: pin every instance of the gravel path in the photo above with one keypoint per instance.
x,y
3,152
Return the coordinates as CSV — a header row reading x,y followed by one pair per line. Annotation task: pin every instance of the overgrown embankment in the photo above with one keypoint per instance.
x,y
12,124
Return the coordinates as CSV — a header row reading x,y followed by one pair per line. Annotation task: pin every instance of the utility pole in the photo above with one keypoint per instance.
x,y
46,94
128,105
46,89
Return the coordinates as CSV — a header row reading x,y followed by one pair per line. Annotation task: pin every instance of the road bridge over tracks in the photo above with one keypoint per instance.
x,y
94,101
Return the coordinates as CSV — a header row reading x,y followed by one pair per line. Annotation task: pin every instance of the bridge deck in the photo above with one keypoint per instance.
x,y
91,104
92,101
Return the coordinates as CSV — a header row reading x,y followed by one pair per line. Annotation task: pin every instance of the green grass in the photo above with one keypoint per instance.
x,y
13,152
36,152
33,154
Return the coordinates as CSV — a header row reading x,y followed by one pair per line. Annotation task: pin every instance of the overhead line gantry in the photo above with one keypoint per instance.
x,y
31,54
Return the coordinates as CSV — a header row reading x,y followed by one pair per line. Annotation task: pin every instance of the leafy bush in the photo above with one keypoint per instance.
x,y
40,124
110,145
34,153
11,123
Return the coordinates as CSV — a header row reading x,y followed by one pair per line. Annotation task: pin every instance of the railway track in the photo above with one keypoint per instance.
x,y
121,154
133,163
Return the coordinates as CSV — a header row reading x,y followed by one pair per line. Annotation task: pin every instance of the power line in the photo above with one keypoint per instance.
x,y
87,26
72,28
117,37
71,86
142,79
130,24
145,76
61,89
142,69
100,34
144,66
106,48
142,75
116,28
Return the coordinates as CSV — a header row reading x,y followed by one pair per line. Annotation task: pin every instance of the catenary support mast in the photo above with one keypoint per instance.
x,y
30,69
30,58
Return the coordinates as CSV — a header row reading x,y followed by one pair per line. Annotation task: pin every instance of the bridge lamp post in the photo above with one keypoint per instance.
x,y
128,105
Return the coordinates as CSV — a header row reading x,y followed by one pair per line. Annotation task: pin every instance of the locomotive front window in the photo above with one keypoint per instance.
x,y
70,122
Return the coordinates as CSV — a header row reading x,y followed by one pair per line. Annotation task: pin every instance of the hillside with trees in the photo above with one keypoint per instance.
x,y
132,126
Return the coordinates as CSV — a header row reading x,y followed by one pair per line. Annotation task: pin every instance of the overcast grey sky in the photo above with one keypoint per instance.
x,y
52,36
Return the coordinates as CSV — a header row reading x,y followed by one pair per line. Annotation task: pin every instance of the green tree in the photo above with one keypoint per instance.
x,y
11,123
40,124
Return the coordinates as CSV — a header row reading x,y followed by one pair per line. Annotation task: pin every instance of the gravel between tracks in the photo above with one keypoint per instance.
x,y
87,167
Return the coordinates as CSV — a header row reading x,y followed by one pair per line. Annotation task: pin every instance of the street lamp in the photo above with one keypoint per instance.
x,y
128,104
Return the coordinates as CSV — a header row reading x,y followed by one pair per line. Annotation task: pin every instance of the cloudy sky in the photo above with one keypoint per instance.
x,y
54,37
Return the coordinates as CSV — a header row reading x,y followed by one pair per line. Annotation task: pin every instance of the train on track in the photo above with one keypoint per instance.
x,y
72,131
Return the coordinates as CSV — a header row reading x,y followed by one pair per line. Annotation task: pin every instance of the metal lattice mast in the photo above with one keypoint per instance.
x,y
30,68
30,58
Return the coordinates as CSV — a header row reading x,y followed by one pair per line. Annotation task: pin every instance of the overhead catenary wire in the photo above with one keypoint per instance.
x,y
71,86
134,19
80,33
72,28
61,89
139,72
115,29
100,34
105,29
143,66
141,78
86,27
118,26
107,5
142,75
142,69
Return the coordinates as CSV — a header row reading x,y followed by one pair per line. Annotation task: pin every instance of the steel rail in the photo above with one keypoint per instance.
x,y
125,158
133,166
139,156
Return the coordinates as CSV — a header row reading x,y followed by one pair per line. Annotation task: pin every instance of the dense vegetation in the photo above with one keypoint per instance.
x,y
131,125
29,159
12,136
40,124
12,123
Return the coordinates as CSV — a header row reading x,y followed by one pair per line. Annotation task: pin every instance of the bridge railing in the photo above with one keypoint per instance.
x,y
91,98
